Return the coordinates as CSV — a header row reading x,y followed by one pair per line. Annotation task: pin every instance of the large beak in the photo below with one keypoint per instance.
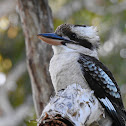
x,y
52,38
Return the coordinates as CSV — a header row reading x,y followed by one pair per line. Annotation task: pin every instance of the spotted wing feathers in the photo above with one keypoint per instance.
x,y
105,88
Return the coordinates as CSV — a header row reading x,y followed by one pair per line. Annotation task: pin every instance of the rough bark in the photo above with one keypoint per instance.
x,y
36,18
57,120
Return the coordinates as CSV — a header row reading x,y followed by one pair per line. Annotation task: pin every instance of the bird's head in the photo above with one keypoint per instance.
x,y
73,37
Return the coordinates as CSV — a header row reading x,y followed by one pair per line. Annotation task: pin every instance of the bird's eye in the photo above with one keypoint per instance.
x,y
84,26
73,36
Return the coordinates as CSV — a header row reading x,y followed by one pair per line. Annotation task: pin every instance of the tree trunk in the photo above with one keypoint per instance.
x,y
36,17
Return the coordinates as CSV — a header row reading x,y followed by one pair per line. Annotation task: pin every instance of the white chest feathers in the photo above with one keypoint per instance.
x,y
65,70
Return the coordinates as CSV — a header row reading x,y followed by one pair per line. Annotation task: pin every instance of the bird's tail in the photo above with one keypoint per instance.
x,y
116,113
120,118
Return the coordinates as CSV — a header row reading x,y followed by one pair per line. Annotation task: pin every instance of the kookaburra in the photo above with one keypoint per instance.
x,y
75,60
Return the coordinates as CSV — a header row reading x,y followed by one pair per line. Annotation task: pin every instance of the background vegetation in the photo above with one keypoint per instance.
x,y
15,89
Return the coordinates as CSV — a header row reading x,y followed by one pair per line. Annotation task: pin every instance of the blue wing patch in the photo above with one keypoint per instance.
x,y
97,73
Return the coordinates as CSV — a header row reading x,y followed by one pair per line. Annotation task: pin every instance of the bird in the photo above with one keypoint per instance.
x,y
75,60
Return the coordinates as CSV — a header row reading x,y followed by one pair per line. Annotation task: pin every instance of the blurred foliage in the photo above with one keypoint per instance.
x,y
22,91
112,52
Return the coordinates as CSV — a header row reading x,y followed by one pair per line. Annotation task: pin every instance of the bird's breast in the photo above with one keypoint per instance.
x,y
65,70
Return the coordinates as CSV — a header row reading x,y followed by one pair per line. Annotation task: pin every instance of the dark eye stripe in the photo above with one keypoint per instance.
x,y
85,43
80,25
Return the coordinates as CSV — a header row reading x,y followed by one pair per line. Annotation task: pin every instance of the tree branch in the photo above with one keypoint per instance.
x,y
9,115
36,18
16,116
74,106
